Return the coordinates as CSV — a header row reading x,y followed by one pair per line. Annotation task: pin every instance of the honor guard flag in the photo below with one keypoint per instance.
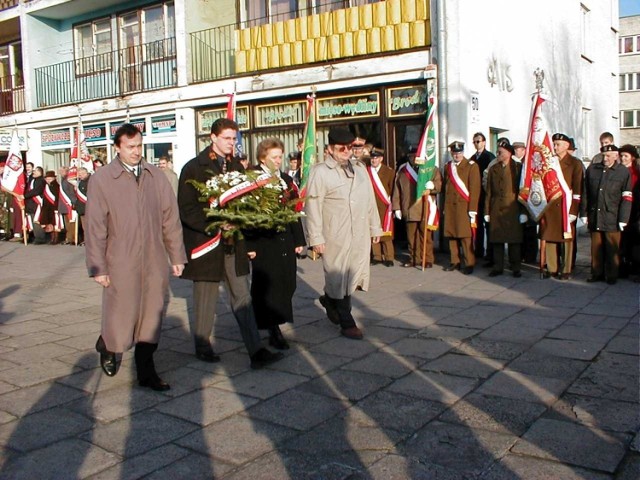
x,y
309,152
13,179
427,158
80,156
231,115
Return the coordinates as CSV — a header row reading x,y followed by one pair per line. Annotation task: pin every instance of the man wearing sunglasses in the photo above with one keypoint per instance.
x,y
483,158
342,221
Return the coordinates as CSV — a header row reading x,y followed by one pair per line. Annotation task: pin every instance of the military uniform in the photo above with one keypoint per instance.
x,y
383,250
458,211
551,226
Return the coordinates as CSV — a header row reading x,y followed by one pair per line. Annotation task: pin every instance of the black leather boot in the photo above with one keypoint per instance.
x,y
146,369
276,339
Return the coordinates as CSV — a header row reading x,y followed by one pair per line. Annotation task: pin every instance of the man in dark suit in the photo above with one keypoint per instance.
x,y
213,259
483,158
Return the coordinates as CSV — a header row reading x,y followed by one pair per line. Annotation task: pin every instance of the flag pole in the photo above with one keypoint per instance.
x,y
425,231
75,228
25,234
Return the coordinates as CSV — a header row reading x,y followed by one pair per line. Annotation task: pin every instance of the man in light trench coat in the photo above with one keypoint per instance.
x,y
342,221
133,233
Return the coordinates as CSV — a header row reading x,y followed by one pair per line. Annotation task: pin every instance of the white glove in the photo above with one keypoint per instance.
x,y
522,218
622,225
584,220
429,185
398,214
472,217
572,218
487,218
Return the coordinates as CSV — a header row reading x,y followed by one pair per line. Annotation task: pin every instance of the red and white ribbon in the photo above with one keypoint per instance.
x,y
206,247
241,189
458,184
48,194
378,188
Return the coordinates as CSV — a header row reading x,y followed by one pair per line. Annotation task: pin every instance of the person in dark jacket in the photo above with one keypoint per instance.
x,y
483,158
273,255
212,259
630,240
33,197
80,205
50,219
608,208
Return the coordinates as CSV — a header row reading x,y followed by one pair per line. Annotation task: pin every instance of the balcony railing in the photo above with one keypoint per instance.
x,y
11,95
326,33
151,66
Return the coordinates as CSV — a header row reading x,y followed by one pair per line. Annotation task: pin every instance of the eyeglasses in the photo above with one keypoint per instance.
x,y
344,148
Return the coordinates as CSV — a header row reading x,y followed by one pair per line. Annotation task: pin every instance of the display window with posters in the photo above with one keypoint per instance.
x,y
204,119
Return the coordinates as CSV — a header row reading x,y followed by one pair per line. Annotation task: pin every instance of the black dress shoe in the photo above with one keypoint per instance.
x,y
488,264
467,270
564,276
495,273
428,265
207,355
375,262
517,274
595,278
155,383
332,311
451,267
276,339
388,263
264,357
108,360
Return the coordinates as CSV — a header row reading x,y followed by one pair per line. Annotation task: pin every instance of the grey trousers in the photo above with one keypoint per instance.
x,y
205,298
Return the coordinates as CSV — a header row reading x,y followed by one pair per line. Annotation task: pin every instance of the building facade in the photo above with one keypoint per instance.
x,y
629,50
169,66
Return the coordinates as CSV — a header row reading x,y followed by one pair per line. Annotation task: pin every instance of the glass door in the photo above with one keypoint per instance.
x,y
130,60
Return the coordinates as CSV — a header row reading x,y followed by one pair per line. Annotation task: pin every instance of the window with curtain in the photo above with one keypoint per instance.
x,y
92,47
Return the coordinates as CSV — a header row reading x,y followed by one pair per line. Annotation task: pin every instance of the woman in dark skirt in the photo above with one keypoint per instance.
x,y
273,256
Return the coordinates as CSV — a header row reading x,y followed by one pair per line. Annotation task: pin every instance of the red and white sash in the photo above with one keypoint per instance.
x,y
81,196
433,215
458,184
36,216
241,189
206,247
66,200
411,174
59,222
381,193
48,194
567,199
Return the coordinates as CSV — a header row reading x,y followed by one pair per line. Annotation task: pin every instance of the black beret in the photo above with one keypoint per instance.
x,y
572,144
457,146
630,149
561,136
504,143
340,136
608,148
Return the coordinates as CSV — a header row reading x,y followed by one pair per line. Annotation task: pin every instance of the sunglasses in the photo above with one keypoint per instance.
x,y
478,141
344,148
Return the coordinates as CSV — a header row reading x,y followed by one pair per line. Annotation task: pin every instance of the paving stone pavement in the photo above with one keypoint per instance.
x,y
457,377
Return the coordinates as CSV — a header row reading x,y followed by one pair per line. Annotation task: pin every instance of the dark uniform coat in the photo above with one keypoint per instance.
x,y
404,194
551,228
35,187
49,210
209,267
83,187
456,209
501,203
606,206
274,268
132,234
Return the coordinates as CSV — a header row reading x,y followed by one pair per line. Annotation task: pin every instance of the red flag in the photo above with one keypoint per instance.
x,y
13,179
231,115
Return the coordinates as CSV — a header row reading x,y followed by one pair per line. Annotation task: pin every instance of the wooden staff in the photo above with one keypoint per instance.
x,y
25,234
543,252
75,227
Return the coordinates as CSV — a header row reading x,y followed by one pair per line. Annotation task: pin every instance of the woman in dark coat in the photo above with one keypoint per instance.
x,y
50,219
273,256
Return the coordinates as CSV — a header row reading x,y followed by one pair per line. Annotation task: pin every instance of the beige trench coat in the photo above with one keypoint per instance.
x,y
341,213
131,229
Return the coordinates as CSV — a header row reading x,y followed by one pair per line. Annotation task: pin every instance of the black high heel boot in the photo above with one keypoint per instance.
x,y
276,339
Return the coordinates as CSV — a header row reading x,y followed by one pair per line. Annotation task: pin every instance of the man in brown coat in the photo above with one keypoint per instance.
x,y
132,228
503,213
406,206
559,244
382,181
461,196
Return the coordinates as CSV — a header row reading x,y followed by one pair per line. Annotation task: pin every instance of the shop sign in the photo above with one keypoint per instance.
x,y
61,136
351,106
163,124
207,117
95,133
291,113
139,123
5,139
407,101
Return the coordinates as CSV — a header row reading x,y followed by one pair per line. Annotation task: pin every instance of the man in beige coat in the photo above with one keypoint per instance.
x,y
342,221
132,233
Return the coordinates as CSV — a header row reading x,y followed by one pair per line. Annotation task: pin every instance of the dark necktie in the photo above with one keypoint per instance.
x,y
223,166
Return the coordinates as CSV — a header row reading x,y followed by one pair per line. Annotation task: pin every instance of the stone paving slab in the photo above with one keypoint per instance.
x,y
447,389
521,386
516,467
346,385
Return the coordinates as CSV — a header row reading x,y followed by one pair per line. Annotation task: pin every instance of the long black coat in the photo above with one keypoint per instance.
x,y
209,267
606,206
35,187
274,268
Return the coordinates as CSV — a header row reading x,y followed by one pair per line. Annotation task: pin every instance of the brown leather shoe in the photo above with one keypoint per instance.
x,y
353,333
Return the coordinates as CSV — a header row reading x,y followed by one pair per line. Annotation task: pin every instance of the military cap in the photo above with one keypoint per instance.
x,y
561,136
457,146
376,152
504,143
50,174
608,148
518,145
340,136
